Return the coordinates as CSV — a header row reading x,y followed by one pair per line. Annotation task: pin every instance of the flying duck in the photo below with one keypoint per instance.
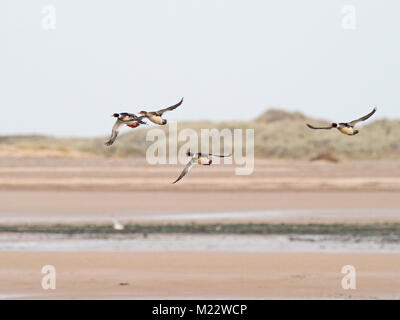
x,y
155,116
198,158
129,119
345,127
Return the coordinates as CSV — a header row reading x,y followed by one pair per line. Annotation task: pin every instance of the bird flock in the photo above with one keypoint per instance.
x,y
133,121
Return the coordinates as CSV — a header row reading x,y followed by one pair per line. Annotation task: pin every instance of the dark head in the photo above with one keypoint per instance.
x,y
164,121
115,115
188,153
333,125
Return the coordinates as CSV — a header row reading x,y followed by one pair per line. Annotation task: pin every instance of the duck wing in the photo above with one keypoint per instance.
x,y
139,119
369,115
133,117
186,169
319,128
160,112
114,133
220,155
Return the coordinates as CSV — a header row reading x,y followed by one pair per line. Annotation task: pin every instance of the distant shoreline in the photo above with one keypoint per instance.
x,y
279,134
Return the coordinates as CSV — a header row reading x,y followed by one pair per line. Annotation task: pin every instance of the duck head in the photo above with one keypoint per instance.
x,y
333,125
164,121
188,153
115,115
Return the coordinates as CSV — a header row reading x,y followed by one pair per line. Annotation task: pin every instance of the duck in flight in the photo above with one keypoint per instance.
x,y
198,158
155,116
124,118
345,127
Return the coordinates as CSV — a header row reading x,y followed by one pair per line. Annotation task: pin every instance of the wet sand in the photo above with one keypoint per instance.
x,y
192,242
94,190
274,207
97,174
200,275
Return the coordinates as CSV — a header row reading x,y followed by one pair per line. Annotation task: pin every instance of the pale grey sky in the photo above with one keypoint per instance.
x,y
230,59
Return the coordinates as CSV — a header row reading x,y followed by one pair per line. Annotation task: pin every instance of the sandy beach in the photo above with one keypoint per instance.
x,y
72,191
132,174
150,207
185,275
199,150
94,189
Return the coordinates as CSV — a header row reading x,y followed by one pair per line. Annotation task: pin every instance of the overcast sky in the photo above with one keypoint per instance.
x,y
230,59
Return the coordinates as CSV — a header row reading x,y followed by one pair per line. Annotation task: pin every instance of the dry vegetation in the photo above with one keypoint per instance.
x,y
278,134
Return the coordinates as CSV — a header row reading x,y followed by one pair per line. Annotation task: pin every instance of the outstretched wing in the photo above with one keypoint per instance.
x,y
160,112
114,133
319,128
220,155
185,170
139,119
134,117
369,115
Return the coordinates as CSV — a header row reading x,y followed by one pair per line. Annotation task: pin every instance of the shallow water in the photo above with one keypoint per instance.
x,y
185,242
15,295
308,214
297,214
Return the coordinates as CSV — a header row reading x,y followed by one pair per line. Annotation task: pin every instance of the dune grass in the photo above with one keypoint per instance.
x,y
278,135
